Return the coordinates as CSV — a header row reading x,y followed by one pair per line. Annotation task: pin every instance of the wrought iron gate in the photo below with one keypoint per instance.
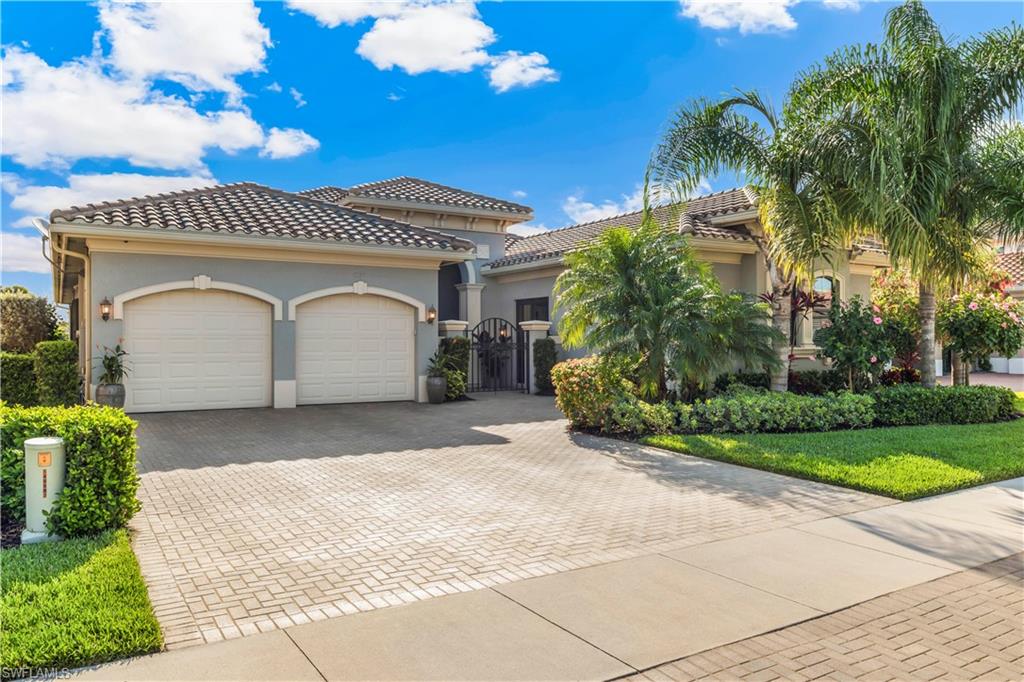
x,y
499,357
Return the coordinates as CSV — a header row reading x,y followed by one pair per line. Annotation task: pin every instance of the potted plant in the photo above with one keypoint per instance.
x,y
111,390
437,380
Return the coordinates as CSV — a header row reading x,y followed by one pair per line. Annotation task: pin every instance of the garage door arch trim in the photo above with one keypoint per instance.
x,y
198,282
359,289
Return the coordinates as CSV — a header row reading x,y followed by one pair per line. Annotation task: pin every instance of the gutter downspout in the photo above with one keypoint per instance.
x,y
85,302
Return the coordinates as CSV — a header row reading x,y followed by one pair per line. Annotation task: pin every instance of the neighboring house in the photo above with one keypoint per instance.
x,y
1013,264
246,296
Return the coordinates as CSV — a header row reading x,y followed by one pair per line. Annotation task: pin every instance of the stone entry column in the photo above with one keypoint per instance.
x,y
535,329
469,303
450,328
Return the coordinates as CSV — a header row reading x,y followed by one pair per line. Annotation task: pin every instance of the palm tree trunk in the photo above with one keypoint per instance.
x,y
958,369
781,305
926,309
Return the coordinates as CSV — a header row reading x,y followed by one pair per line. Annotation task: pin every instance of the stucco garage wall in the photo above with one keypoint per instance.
x,y
114,274
729,275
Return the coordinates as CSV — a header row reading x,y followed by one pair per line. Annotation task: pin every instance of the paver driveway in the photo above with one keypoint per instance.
x,y
259,519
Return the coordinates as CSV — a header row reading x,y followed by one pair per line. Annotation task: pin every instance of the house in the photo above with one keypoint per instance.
x,y
1011,262
242,295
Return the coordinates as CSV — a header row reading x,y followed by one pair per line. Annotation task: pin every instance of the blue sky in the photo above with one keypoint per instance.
x,y
555,105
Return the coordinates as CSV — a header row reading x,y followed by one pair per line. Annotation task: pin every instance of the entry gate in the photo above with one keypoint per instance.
x,y
499,357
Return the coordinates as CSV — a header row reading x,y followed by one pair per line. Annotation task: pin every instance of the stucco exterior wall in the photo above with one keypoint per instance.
x,y
438,220
115,274
730,276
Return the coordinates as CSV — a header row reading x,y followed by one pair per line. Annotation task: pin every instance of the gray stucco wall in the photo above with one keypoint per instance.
x,y
113,274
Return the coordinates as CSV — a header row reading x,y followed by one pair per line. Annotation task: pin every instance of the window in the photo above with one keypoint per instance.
x,y
531,309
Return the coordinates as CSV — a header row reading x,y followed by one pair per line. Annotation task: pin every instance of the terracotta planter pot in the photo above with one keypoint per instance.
x,y
110,394
436,388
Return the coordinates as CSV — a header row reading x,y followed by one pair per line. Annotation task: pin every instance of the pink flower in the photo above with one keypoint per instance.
x,y
826,323
973,305
876,308
873,359
1003,325
877,320
1013,316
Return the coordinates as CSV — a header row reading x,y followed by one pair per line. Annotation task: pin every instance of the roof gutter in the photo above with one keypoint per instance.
x,y
521,267
253,241
352,200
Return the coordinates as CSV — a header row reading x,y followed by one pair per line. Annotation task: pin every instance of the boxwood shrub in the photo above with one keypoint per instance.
x,y
776,412
56,368
545,355
909,404
101,484
17,378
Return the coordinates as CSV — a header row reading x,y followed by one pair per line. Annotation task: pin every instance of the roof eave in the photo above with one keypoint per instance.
x,y
536,264
158,234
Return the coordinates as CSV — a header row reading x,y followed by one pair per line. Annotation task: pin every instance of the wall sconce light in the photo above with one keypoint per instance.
x,y
106,307
431,314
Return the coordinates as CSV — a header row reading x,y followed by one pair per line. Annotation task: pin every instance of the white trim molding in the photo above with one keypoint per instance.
x,y
201,282
359,289
284,393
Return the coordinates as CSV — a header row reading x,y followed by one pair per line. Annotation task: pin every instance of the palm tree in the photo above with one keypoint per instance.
x,y
643,293
743,134
917,133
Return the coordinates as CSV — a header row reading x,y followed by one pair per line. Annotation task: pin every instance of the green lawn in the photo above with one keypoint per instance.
x,y
72,603
905,462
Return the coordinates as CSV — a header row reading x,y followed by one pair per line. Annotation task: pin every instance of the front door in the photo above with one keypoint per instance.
x,y
527,310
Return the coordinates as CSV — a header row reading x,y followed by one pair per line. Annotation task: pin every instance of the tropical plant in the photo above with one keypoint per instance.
x,y
977,326
708,137
915,136
114,366
643,293
894,295
854,339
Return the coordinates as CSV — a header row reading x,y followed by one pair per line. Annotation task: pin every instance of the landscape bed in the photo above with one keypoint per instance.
x,y
904,462
73,603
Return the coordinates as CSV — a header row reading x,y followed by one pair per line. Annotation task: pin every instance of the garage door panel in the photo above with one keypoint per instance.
x,y
195,350
354,349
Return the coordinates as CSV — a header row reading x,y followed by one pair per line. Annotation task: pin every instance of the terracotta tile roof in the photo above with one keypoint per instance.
x,y
698,212
418,191
1013,264
248,209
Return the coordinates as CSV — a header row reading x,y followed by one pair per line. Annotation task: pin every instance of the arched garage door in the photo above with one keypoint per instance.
x,y
352,349
197,350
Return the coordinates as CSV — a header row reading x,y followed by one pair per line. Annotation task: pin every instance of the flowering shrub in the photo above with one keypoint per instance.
x,y
855,340
979,325
586,389
895,296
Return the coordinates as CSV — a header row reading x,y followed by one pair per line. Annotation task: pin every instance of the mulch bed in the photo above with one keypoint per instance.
x,y
11,532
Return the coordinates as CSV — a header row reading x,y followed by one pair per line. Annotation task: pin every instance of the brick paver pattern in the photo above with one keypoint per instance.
x,y
261,519
965,626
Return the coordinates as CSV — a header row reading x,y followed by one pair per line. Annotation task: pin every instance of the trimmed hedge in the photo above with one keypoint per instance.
x,y
545,355
909,404
780,412
18,378
56,368
593,395
101,483
806,382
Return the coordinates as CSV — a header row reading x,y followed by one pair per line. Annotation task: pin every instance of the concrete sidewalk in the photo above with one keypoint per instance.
x,y
618,618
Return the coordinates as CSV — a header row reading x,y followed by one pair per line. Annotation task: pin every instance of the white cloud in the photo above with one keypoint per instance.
x,y
36,201
300,101
274,87
581,211
513,69
749,16
284,143
202,45
394,97
55,115
526,229
334,13
22,253
446,37
842,4
519,194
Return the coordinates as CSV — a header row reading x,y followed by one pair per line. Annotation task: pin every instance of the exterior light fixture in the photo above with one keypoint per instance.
x,y
106,307
503,332
431,314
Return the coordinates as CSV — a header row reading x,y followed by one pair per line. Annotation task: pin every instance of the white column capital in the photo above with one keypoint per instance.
x,y
535,326
453,326
469,286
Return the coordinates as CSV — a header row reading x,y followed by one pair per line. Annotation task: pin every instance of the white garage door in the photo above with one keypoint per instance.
x,y
352,349
197,350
